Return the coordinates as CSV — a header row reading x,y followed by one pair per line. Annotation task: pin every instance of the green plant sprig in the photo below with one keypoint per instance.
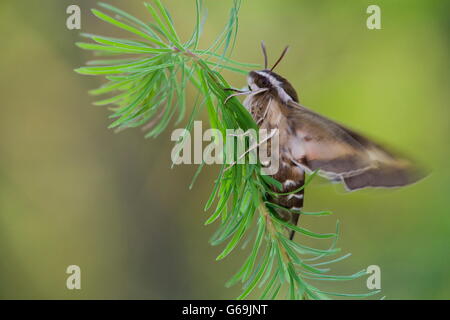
x,y
147,79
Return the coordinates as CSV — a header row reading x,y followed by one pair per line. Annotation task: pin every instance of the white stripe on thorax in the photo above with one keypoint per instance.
x,y
277,84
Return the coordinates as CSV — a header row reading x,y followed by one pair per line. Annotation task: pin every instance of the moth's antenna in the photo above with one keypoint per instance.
x,y
280,58
263,47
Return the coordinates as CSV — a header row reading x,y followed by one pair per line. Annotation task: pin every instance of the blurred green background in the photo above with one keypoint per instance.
x,y
73,192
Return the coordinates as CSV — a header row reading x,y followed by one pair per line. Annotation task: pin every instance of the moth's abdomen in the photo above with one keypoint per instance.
x,y
292,201
292,178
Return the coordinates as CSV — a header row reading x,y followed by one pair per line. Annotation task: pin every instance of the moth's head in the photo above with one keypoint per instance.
x,y
273,82
267,79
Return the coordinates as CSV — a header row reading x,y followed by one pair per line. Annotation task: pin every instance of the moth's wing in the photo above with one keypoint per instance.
x,y
344,155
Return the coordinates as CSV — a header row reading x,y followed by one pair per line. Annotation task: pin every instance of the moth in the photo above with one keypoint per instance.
x,y
309,141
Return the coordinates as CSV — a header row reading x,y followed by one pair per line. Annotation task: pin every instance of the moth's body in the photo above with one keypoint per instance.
x,y
309,142
270,111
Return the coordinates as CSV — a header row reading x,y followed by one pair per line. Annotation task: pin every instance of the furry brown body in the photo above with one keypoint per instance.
x,y
270,113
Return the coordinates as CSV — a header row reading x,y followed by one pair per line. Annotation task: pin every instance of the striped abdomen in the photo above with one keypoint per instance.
x,y
269,113
292,178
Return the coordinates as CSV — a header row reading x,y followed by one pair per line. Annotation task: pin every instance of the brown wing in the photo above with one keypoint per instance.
x,y
344,155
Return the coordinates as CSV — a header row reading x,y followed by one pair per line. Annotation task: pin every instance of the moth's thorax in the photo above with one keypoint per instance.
x,y
269,113
276,85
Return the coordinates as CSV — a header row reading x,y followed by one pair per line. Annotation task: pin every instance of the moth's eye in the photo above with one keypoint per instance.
x,y
249,88
264,83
